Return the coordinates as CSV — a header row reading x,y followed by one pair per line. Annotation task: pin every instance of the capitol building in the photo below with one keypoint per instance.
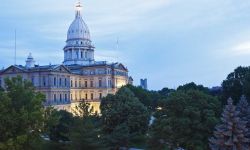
x,y
79,77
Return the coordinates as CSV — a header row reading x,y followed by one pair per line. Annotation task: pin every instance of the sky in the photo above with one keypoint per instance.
x,y
169,42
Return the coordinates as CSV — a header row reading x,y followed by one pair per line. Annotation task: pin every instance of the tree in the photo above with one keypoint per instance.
x,y
147,98
236,84
231,133
165,92
59,132
193,86
86,132
123,117
21,115
186,119
244,113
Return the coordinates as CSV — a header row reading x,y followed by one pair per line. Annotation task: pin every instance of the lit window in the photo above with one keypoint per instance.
x,y
92,96
86,83
91,84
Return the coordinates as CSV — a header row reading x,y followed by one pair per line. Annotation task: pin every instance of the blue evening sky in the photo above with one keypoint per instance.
x,y
170,42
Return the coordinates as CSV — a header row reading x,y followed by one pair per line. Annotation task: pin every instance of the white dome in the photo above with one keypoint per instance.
x,y
78,29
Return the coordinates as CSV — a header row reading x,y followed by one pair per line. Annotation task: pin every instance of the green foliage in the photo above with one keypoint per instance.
x,y
147,98
231,133
193,86
244,113
165,92
61,122
123,117
186,119
236,84
85,132
21,115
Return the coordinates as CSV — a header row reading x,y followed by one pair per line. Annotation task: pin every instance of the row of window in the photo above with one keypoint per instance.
x,y
60,98
61,82
82,54
86,96
79,84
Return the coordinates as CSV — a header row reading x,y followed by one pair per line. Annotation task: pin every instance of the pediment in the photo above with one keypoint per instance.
x,y
61,69
13,69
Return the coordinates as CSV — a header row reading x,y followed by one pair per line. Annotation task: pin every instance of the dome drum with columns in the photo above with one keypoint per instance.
x,y
78,49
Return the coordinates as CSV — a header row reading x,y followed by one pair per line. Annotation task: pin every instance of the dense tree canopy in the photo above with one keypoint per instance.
x,y
21,115
236,84
186,119
232,132
86,130
193,86
123,116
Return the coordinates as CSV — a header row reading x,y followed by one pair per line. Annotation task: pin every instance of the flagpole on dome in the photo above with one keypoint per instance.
x,y
78,8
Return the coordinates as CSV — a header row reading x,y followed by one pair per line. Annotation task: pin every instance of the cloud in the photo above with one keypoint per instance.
x,y
241,49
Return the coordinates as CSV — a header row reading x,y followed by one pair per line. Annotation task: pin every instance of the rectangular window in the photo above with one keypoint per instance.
x,y
60,97
55,81
44,81
100,95
54,97
71,97
75,83
91,84
86,83
110,84
92,96
86,96
60,82
80,83
71,83
100,83
32,80
65,97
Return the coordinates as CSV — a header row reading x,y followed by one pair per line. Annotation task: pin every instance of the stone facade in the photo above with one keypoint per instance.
x,y
80,77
